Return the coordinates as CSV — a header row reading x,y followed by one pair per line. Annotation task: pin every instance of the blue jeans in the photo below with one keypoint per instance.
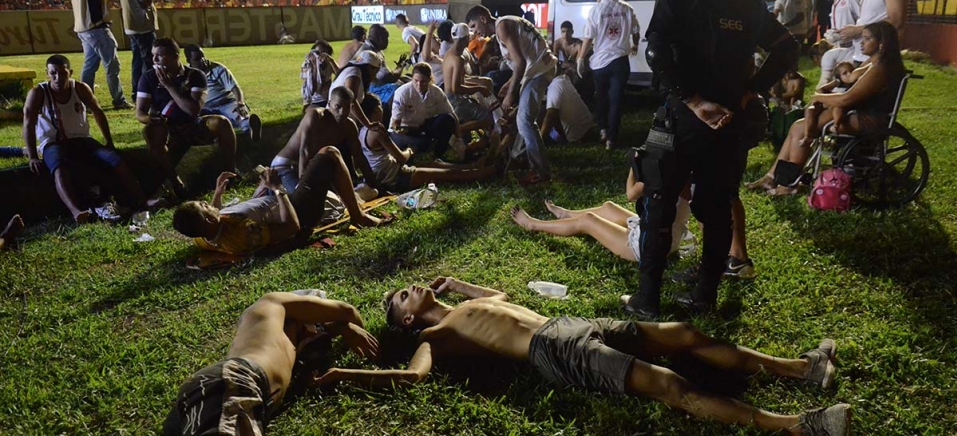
x,y
141,47
609,90
99,45
529,105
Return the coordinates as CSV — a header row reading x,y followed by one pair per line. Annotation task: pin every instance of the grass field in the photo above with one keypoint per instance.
x,y
97,332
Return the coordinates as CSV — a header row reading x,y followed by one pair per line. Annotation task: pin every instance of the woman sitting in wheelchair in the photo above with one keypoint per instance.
x,y
872,97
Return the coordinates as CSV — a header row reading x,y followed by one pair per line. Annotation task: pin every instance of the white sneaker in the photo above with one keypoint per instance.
x,y
366,192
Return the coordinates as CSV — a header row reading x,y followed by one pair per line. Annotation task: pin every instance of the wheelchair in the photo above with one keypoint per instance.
x,y
888,166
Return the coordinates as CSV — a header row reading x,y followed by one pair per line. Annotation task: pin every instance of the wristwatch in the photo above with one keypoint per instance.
x,y
281,190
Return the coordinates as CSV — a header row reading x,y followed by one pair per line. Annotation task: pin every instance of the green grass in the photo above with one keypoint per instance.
x,y
98,332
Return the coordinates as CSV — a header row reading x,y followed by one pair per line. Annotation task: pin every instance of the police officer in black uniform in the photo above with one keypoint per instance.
x,y
702,54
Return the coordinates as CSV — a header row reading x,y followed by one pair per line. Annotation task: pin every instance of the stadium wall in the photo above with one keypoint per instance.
x,y
25,32
937,40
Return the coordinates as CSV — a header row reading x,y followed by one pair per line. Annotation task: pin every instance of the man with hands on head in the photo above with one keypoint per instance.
x,y
168,102
238,395
595,354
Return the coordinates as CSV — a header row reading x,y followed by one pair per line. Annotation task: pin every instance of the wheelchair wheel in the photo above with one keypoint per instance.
x,y
886,171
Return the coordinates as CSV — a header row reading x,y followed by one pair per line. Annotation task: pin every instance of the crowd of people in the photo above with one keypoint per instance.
x,y
37,5
465,101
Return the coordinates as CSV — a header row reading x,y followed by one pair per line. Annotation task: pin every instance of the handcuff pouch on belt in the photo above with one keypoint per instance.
x,y
659,145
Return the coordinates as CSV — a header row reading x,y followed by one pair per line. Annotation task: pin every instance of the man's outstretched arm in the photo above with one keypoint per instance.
x,y
418,369
442,285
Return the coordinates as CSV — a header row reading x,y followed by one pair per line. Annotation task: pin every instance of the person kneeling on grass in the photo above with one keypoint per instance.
x,y
238,395
387,160
223,94
597,354
260,222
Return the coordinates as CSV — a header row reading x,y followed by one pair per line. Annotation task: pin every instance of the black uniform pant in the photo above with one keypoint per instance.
x,y
707,157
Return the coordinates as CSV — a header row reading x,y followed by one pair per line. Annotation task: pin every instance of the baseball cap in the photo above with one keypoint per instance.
x,y
460,30
368,57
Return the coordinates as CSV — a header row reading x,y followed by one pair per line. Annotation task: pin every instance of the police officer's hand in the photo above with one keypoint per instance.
x,y
710,113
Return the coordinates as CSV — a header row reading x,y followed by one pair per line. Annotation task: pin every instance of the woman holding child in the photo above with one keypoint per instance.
x,y
872,96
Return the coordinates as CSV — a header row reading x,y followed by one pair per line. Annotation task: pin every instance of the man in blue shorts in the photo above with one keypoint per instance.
x,y
55,116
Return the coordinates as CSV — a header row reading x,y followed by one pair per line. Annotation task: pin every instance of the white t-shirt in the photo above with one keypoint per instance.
x,y
413,108
789,10
845,13
345,74
610,26
576,119
872,11
263,210
412,32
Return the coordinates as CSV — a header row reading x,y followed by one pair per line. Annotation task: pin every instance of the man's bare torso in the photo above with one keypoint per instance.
x,y
261,339
328,132
485,326
348,52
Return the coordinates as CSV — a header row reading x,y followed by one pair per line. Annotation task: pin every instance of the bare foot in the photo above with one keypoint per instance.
x,y
782,191
83,217
521,218
559,212
763,184
366,220
13,230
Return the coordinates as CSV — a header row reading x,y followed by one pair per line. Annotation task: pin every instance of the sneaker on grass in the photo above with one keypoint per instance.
x,y
820,366
833,421
742,269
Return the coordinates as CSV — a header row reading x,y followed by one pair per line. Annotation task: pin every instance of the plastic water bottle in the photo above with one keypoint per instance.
x,y
549,289
421,198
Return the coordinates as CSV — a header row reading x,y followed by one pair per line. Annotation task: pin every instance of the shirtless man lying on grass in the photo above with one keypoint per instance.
x,y
597,354
237,395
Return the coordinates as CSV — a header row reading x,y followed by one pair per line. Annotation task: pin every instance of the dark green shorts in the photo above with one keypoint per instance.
x,y
575,352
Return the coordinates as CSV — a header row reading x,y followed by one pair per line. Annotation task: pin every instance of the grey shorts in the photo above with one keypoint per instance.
x,y
578,352
467,109
229,397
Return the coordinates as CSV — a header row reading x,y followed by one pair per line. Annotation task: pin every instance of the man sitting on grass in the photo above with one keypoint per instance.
x,y
319,128
597,354
168,103
254,224
238,395
223,94
55,115
387,160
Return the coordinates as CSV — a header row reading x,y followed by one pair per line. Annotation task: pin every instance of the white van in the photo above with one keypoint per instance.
x,y
577,11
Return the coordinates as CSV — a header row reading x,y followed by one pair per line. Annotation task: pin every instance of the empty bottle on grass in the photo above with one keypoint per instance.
x,y
549,289
421,198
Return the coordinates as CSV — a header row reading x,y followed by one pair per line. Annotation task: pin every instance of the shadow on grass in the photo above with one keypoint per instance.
x,y
907,246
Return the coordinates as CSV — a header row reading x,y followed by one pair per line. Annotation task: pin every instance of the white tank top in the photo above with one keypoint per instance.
x,y
872,11
538,57
383,164
61,121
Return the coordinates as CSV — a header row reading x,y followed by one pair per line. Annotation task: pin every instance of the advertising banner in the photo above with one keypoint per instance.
x,y
417,14
14,33
47,32
309,24
368,15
